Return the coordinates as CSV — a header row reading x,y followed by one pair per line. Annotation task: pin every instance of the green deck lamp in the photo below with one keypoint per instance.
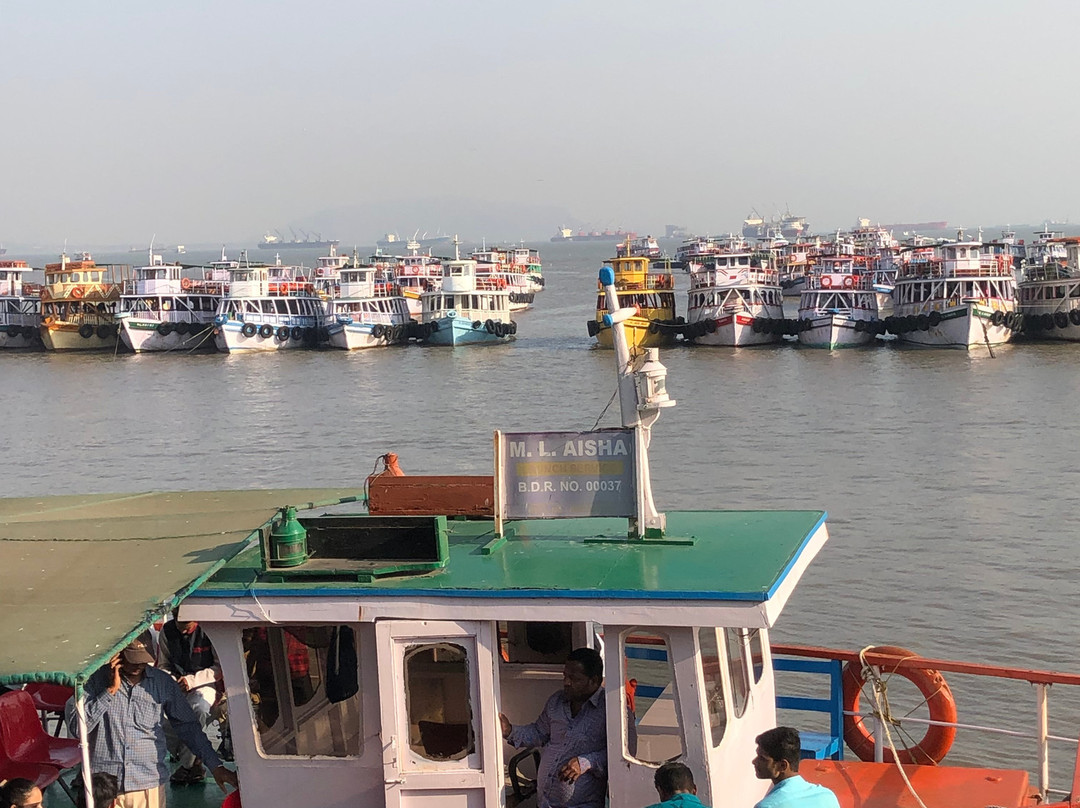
x,y
288,540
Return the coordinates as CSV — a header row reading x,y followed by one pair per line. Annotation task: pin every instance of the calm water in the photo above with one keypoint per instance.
x,y
950,477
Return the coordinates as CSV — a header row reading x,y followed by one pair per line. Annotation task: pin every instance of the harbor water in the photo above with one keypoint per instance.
x,y
950,477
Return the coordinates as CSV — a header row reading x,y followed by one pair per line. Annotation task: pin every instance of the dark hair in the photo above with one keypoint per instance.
x,y
781,743
15,791
671,778
590,661
105,787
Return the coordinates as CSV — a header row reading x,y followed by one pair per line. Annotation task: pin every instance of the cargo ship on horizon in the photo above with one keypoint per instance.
x,y
567,234
276,241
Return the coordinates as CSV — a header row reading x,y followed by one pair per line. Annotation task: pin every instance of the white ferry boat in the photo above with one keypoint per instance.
x,y
416,273
78,305
467,309
953,296
366,313
327,274
269,308
643,247
527,261
20,311
838,308
730,296
1049,294
495,268
161,310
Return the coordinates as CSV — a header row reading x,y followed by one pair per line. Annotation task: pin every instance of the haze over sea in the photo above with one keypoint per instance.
x,y
950,477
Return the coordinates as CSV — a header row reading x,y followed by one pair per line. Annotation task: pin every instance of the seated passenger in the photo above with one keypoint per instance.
x,y
675,784
572,732
778,753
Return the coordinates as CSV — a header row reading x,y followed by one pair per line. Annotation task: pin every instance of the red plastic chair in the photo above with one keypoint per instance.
x,y
50,701
232,800
42,776
23,739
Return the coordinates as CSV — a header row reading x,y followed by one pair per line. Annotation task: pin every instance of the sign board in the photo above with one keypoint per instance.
x,y
564,475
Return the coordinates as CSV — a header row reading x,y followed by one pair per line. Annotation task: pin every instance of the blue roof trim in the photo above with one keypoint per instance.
x,y
505,594
796,556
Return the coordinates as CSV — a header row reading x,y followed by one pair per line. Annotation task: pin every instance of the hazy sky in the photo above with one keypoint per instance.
x,y
212,121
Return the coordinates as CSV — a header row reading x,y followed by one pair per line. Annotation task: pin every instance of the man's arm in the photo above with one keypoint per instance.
x,y
99,691
538,733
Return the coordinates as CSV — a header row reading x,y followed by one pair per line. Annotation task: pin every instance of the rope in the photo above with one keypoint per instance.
x,y
629,365
884,716
986,337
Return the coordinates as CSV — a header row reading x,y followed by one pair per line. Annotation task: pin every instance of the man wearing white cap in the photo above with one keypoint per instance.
x,y
126,702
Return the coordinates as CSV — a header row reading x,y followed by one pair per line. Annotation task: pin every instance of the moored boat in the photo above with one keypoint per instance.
x,y
366,313
162,310
20,308
467,309
730,298
953,296
838,307
1049,295
269,308
648,287
78,305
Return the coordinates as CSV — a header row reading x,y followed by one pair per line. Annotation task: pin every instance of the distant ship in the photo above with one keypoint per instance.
x,y
788,225
3,249
394,240
275,241
566,234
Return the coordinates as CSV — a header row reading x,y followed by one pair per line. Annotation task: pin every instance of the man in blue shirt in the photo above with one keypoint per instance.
x,y
126,702
572,729
675,784
778,760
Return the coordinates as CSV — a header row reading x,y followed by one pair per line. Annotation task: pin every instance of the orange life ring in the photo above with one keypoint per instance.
x,y
826,282
938,739
77,292
185,283
849,282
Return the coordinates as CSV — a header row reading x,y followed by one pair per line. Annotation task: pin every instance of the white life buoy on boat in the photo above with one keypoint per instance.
x,y
849,281
826,281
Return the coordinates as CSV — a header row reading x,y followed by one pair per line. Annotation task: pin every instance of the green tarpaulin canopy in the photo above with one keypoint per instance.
x,y
81,575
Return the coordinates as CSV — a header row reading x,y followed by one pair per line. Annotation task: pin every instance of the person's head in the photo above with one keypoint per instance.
x,y
137,655
674,778
20,793
105,788
582,675
778,753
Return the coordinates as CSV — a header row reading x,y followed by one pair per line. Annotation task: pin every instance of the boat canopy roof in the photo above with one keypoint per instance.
x,y
84,574
707,558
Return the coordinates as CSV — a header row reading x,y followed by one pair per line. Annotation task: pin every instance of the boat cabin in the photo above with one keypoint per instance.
x,y
11,273
372,669
469,296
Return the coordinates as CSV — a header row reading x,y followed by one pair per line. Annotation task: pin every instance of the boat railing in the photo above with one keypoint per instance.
x,y
1040,680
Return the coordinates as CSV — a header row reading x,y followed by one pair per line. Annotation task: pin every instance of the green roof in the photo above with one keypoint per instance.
x,y
708,556
81,575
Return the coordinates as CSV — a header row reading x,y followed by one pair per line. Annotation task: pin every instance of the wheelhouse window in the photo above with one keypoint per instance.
x,y
737,668
438,701
304,686
712,672
650,696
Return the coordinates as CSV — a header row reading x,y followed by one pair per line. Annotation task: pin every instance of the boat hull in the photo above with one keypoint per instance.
x,y
638,335
66,337
230,338
1034,326
454,331
965,326
142,336
832,331
737,330
357,336
25,337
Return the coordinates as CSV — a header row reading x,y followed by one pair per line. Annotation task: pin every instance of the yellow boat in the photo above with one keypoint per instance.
x,y
652,290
